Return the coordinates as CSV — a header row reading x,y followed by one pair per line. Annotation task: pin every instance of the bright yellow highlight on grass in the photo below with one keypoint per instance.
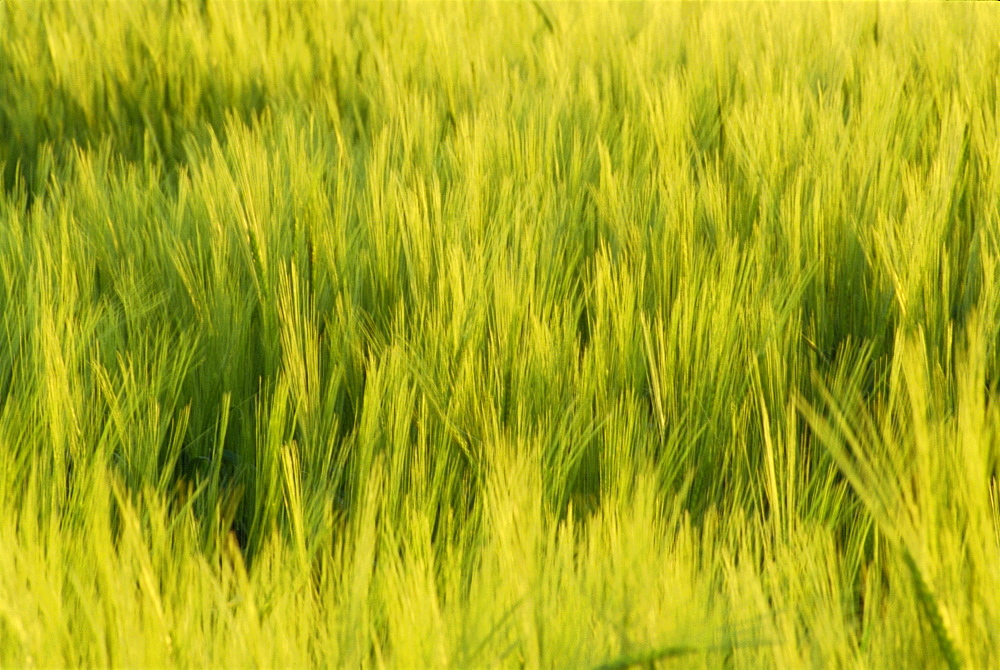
x,y
460,335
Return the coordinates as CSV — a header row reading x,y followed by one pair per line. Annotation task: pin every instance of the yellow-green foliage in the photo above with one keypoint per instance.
x,y
493,334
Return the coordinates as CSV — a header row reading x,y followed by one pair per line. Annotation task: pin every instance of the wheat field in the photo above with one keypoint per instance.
x,y
534,335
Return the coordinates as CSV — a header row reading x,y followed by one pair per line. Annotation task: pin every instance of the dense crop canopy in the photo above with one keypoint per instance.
x,y
499,334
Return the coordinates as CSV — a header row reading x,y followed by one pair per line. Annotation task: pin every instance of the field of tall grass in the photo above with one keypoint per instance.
x,y
470,335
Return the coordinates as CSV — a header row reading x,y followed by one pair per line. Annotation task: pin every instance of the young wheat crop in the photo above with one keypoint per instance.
x,y
499,334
